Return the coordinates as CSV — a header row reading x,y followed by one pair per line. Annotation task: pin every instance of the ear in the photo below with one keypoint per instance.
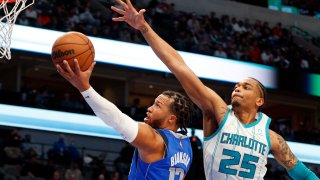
x,y
173,119
260,102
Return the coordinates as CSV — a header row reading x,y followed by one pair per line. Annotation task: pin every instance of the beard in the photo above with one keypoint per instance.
x,y
235,104
155,124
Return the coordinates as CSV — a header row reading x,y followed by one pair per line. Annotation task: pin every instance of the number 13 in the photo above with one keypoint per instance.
x,y
176,171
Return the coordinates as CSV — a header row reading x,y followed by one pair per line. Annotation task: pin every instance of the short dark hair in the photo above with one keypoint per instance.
x,y
263,92
182,107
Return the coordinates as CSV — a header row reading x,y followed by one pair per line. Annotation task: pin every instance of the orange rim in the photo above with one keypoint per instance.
x,y
9,1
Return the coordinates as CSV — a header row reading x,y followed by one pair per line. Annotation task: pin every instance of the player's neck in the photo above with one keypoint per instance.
x,y
245,116
171,128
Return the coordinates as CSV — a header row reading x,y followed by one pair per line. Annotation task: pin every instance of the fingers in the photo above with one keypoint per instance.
x,y
129,4
68,68
118,19
142,11
91,67
120,11
76,66
62,72
66,71
124,5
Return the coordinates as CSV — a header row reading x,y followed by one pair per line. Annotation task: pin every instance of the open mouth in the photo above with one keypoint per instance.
x,y
146,119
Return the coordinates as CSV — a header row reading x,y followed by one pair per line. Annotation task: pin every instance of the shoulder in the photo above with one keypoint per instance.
x,y
165,133
148,138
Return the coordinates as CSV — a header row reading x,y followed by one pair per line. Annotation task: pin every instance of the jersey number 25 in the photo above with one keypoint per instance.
x,y
235,160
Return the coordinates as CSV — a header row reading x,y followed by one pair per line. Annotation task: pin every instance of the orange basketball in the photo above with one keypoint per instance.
x,y
73,45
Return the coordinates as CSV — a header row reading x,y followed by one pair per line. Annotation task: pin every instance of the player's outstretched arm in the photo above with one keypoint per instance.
x,y
212,105
283,154
142,136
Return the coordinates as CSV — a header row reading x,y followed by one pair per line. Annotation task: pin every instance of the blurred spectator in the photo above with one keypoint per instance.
x,y
49,169
288,134
220,52
104,175
23,20
196,170
73,172
115,176
193,23
304,64
30,147
44,20
31,14
12,147
59,151
234,38
33,169
254,53
43,97
56,175
73,152
196,143
267,57
123,162
134,107
67,104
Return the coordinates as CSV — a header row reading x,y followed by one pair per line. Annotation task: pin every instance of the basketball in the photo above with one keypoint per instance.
x,y
73,45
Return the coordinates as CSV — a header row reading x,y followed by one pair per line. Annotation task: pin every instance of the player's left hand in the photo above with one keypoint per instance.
x,y
79,79
130,14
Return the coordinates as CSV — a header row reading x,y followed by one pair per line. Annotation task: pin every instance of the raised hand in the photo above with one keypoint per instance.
x,y
79,79
129,14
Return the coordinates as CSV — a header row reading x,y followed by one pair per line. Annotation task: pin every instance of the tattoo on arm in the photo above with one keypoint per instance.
x,y
143,29
286,157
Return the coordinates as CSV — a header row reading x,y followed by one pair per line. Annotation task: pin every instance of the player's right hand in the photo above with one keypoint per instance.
x,y
79,79
129,14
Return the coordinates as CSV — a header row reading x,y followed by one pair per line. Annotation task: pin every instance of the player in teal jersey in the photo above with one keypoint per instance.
x,y
245,154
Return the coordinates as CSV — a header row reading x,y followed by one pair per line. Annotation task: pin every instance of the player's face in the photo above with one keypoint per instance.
x,y
159,112
246,93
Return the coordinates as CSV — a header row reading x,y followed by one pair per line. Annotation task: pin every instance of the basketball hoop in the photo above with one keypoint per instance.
x,y
9,11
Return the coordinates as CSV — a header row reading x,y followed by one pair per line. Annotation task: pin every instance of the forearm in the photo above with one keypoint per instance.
x,y
172,59
111,115
300,171
283,154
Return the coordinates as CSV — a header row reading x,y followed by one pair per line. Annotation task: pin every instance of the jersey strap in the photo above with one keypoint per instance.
x,y
165,139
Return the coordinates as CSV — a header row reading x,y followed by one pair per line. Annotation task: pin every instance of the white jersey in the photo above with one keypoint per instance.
x,y
236,150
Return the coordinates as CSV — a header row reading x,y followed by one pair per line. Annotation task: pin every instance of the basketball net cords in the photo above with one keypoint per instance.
x,y
7,22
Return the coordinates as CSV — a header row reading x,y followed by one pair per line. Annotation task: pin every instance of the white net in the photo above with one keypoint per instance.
x,y
9,11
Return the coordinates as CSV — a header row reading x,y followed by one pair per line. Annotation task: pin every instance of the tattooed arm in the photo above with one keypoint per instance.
x,y
282,153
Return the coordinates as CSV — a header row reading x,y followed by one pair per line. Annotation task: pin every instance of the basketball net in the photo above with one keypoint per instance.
x,y
9,11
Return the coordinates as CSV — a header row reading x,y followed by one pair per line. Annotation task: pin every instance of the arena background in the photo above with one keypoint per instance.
x,y
40,111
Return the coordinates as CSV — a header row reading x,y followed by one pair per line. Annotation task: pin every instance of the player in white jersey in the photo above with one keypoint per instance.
x,y
238,150
237,137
